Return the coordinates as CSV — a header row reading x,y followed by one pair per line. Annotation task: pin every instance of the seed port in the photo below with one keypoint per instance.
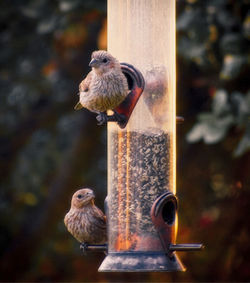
x,y
129,80
136,86
169,212
165,207
134,76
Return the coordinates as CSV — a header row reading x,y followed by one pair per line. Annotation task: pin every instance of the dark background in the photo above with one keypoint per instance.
x,y
48,150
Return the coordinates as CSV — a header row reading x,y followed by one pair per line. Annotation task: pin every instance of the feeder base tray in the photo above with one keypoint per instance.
x,y
140,262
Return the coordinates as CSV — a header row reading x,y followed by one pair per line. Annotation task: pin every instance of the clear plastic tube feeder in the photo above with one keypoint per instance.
x,y
141,202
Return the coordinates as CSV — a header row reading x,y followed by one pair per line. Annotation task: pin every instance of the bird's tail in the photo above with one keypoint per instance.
x,y
78,106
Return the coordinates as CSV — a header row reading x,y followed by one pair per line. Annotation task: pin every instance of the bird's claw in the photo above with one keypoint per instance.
x,y
101,118
83,248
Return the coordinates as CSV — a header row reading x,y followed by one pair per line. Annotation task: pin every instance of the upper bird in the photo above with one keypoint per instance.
x,y
105,86
85,221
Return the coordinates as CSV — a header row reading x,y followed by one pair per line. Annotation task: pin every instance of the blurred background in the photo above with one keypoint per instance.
x,y
48,150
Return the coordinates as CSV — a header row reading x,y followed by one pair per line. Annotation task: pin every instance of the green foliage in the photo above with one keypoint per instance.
x,y
213,170
214,36
45,47
213,126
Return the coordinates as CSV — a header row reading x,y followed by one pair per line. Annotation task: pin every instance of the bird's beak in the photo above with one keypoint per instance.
x,y
93,63
91,194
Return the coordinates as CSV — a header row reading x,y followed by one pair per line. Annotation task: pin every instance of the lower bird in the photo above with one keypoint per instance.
x,y
104,88
85,221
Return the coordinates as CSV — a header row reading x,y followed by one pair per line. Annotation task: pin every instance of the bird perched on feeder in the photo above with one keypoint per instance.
x,y
85,221
104,88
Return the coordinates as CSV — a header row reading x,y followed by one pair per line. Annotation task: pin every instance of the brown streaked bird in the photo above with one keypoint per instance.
x,y
85,221
105,86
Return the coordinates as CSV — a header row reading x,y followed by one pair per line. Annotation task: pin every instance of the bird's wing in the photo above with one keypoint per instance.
x,y
66,219
99,218
84,85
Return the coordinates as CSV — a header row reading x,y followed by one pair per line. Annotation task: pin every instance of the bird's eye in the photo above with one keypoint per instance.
x,y
105,60
79,196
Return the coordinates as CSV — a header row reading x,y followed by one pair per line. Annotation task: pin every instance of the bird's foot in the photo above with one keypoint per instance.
x,y
83,248
102,118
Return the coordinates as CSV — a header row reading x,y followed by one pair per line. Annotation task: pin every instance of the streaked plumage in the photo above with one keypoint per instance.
x,y
85,221
105,87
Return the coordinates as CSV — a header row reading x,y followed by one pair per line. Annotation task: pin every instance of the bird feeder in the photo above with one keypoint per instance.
x,y
141,201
